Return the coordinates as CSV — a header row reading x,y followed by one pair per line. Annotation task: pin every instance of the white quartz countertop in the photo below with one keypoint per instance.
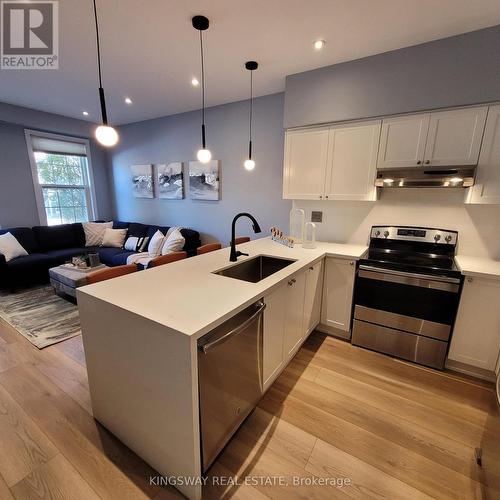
x,y
188,298
478,266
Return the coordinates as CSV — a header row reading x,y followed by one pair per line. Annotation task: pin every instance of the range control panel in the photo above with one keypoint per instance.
x,y
422,234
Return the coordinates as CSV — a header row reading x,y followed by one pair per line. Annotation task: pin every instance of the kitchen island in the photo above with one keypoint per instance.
x,y
140,335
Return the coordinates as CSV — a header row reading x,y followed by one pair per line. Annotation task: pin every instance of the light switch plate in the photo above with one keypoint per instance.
x,y
316,216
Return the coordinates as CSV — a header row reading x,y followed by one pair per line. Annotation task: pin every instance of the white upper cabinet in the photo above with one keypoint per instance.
x,y
352,161
306,156
402,141
487,186
454,137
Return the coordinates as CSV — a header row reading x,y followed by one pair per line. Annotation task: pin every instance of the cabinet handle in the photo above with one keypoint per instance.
x,y
326,196
311,268
351,263
470,279
419,162
294,280
427,162
320,197
290,283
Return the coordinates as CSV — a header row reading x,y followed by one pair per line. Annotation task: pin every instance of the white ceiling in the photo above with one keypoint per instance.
x,y
151,52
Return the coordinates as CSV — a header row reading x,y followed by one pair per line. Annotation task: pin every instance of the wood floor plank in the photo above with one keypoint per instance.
x,y
223,484
23,445
437,447
432,381
55,480
408,409
5,493
263,463
73,348
112,470
402,387
262,428
416,470
365,481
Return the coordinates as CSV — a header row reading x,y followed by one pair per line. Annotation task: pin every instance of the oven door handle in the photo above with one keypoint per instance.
x,y
414,279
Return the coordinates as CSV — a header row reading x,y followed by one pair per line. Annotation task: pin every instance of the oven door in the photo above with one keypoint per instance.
x,y
405,314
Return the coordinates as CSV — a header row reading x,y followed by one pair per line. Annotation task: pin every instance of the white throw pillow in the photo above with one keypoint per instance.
x,y
131,244
94,232
174,241
155,244
114,237
10,247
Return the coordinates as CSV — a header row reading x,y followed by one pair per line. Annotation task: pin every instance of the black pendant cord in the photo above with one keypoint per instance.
x,y
101,90
203,137
251,115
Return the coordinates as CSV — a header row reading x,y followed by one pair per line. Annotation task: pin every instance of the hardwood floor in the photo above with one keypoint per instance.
x,y
361,424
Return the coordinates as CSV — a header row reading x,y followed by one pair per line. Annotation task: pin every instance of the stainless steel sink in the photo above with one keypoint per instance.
x,y
255,269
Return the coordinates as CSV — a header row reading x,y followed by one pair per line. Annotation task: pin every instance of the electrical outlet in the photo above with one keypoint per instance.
x,y
316,216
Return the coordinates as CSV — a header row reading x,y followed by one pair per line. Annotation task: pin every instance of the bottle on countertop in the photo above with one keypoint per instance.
x,y
309,235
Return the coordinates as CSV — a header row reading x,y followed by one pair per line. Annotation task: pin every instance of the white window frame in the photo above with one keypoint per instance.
x,y
88,174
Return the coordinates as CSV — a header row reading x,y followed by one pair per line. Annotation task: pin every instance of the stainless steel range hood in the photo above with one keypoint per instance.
x,y
460,177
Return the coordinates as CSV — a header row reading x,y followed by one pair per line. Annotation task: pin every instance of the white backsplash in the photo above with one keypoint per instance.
x,y
350,221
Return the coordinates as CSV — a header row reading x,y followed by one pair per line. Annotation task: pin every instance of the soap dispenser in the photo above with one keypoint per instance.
x,y
309,235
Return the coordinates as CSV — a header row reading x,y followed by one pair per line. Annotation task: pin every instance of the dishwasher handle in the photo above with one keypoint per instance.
x,y
210,345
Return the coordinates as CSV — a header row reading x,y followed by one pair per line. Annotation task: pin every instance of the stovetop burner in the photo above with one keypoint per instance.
x,y
414,250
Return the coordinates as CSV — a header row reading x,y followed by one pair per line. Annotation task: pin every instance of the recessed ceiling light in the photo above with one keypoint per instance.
x,y
195,82
128,100
319,44
85,113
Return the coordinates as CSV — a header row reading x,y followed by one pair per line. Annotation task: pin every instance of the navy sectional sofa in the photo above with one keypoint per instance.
x,y
50,246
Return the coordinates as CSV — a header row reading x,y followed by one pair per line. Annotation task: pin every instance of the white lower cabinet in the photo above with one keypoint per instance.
x,y
338,291
292,312
274,332
312,297
294,316
476,337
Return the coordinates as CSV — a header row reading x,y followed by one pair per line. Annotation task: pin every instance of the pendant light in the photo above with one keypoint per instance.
x,y
249,162
106,135
201,24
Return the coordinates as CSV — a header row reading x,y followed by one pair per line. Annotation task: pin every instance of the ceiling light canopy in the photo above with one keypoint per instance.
x,y
128,100
249,163
201,24
105,134
85,113
195,82
319,44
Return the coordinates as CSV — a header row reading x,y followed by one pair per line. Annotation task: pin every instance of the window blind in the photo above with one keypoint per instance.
x,y
55,146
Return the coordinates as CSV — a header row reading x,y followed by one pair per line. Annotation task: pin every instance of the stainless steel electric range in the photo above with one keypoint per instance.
x,y
407,293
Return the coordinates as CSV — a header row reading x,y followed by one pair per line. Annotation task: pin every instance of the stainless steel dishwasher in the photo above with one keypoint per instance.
x,y
229,377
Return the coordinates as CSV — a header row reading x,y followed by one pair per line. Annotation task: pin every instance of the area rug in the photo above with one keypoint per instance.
x,y
40,315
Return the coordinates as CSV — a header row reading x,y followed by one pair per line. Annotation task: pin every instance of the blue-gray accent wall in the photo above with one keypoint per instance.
x,y
17,196
177,138
454,71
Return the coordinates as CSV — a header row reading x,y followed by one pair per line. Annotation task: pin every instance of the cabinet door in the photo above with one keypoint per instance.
x,y
312,297
294,331
476,337
487,186
337,295
352,162
402,141
454,137
306,153
274,330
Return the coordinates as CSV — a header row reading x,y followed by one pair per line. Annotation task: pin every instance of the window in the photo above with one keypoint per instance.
x,y
62,178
